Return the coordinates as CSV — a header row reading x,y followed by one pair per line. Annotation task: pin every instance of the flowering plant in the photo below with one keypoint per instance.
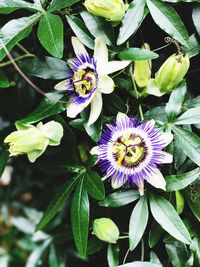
x,y
99,133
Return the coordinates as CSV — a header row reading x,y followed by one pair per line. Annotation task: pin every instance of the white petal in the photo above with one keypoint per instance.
x,y
96,107
153,89
79,48
165,157
157,180
94,150
121,117
116,184
113,66
105,84
61,86
141,188
74,109
100,54
168,137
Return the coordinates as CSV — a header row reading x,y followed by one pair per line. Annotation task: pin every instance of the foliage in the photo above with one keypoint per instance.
x,y
48,207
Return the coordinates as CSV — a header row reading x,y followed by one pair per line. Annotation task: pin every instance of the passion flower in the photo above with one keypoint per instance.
x,y
88,79
130,152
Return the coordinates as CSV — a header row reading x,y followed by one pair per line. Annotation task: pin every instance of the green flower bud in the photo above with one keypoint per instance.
x,y
112,10
33,140
106,230
142,70
171,73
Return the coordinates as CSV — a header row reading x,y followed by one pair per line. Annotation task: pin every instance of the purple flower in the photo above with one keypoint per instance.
x,y
88,79
130,152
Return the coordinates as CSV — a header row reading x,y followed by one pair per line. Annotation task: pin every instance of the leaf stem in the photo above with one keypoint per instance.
x,y
23,48
125,257
142,249
123,237
136,92
6,63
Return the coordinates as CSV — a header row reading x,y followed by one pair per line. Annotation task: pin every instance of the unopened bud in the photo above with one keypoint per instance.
x,y
33,140
106,230
172,72
112,10
142,70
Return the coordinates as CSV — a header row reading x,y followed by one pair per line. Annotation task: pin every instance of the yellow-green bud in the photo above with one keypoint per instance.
x,y
106,230
112,10
33,140
172,72
142,70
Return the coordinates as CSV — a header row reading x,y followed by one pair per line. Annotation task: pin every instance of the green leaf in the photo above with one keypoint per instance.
x,y
97,26
195,17
16,30
191,116
178,182
195,248
138,222
135,53
120,198
157,113
180,202
114,104
8,6
4,83
193,197
34,257
94,245
140,264
112,255
179,156
131,21
192,103
80,218
79,28
59,4
48,107
53,257
49,68
189,143
194,46
178,253
50,34
4,155
70,140
60,168
175,102
58,202
165,214
94,130
169,21
155,234
154,258
94,185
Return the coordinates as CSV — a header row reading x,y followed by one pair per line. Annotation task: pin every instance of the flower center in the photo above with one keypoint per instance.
x,y
129,150
84,81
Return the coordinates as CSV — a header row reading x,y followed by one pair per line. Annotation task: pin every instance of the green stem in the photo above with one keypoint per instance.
x,y
136,92
23,48
123,237
142,249
125,257
6,63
